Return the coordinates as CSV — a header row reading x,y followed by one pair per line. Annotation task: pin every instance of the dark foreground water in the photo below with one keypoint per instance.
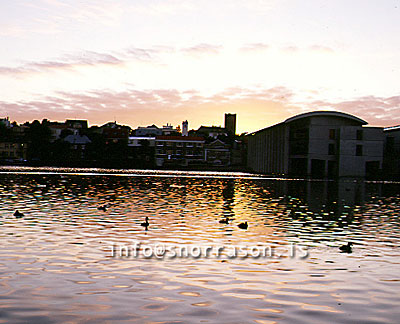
x,y
66,261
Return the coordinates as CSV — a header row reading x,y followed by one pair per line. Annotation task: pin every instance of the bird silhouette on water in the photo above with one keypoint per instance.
x,y
103,208
18,214
146,223
224,221
243,225
346,248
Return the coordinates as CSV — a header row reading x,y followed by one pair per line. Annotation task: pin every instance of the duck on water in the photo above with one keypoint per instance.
x,y
346,248
146,223
18,214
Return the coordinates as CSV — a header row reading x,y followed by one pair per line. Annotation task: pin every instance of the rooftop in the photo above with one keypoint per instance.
x,y
180,138
326,113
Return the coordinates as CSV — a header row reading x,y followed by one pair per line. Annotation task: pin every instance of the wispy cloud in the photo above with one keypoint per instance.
x,y
69,61
202,49
255,47
321,48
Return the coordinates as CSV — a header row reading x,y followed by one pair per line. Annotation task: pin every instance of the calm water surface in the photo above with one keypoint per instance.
x,y
56,263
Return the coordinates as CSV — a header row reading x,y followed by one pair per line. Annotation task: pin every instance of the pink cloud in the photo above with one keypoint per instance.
x,y
255,47
202,49
256,109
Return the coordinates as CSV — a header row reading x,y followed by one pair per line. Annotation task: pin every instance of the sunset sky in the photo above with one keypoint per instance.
x,y
141,62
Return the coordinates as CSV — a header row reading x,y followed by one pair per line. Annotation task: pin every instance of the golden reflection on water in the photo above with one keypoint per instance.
x,y
56,264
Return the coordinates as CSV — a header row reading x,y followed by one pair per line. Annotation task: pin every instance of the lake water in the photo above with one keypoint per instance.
x,y
66,261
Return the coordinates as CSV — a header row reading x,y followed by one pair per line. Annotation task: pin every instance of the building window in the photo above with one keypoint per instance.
x,y
179,144
390,144
359,150
331,149
359,135
332,134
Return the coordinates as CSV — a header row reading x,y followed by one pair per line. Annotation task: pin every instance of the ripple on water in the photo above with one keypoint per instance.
x,y
55,263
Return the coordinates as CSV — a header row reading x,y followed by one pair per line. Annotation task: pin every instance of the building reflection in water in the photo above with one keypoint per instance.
x,y
331,200
228,195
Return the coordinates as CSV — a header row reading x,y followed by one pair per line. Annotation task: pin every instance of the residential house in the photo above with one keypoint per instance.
x,y
217,153
11,150
211,131
179,150
77,146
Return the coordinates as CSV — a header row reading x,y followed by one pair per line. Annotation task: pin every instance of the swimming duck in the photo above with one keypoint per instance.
x,y
346,248
103,208
224,221
18,214
243,225
146,223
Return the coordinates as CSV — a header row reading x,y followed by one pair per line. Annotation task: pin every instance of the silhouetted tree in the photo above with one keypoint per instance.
x,y
38,136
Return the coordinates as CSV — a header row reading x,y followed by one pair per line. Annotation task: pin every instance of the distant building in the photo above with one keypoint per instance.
x,y
138,141
185,128
230,123
179,150
217,153
141,151
152,130
56,130
211,131
114,133
11,150
318,144
391,156
169,130
78,146
76,123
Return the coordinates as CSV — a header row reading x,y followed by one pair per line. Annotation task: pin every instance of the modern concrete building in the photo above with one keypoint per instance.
x,y
319,144
391,156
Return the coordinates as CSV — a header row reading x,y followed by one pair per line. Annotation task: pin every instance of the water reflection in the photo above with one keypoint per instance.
x,y
55,263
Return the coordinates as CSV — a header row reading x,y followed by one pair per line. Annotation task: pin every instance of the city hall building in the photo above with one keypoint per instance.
x,y
319,144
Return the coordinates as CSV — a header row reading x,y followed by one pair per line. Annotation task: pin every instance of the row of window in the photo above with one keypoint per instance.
x,y
333,134
332,150
178,152
6,145
179,144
